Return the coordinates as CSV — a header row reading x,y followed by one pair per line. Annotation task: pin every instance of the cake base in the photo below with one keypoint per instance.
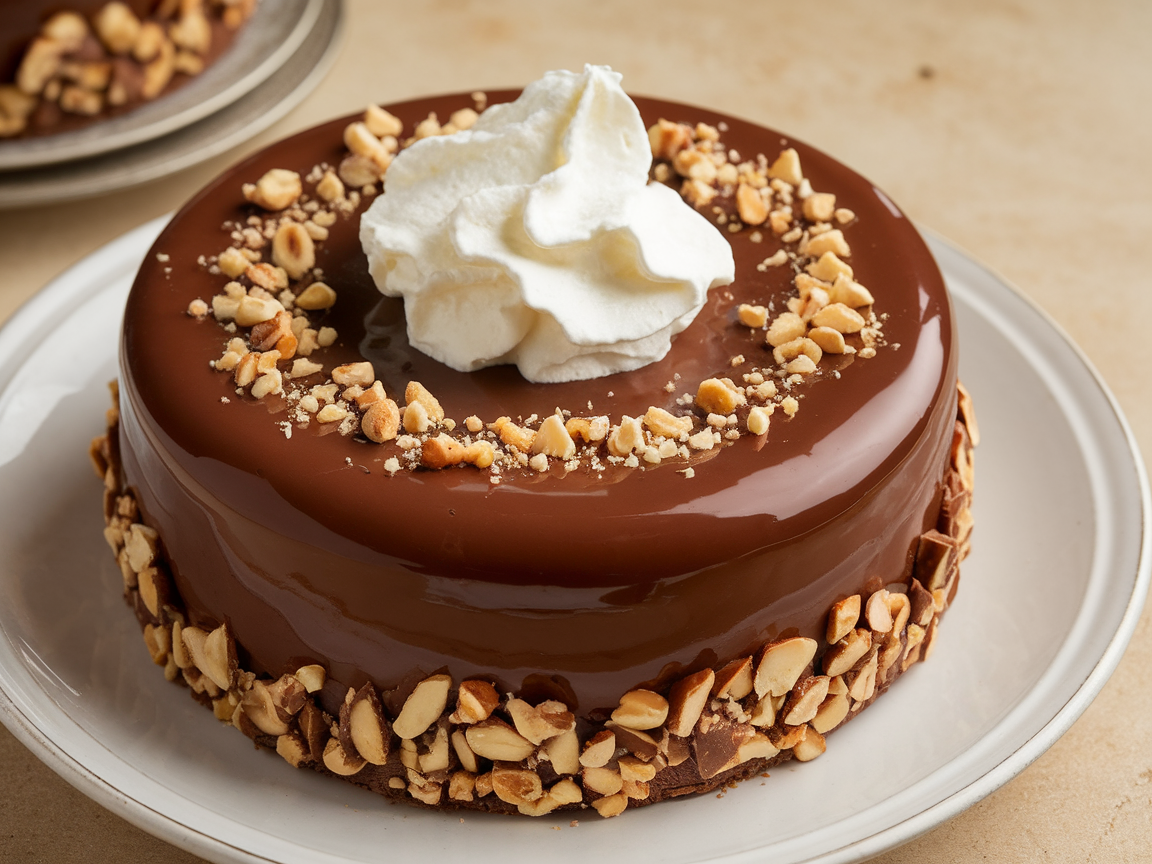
x,y
444,744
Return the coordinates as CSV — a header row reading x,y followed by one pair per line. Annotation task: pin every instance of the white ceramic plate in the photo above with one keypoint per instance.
x,y
190,144
1048,602
269,38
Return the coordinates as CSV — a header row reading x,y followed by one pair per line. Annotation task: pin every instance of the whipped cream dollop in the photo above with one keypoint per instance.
x,y
535,238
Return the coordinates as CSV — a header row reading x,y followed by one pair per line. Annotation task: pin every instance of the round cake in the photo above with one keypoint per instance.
x,y
465,589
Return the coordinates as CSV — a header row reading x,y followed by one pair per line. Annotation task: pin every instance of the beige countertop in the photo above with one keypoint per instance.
x,y
1019,130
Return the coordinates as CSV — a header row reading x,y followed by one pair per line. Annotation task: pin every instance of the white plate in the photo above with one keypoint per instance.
x,y
190,144
1048,602
266,42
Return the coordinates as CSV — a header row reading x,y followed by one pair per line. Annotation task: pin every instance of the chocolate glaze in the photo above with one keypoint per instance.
x,y
606,581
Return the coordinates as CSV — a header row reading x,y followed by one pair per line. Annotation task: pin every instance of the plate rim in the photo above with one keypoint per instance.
x,y
69,766
59,149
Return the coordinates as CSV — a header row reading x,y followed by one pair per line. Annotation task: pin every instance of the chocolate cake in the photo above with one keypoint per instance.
x,y
64,65
393,571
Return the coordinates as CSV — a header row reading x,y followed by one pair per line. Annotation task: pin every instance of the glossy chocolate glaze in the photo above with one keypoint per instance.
x,y
313,553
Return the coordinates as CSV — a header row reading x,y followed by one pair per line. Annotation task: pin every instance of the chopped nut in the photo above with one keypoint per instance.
x,y
590,429
842,618
839,317
516,785
416,392
381,123
750,205
258,706
697,192
850,293
332,413
830,341
877,613
862,681
496,740
39,65
316,296
828,268
805,700
117,26
475,701
423,706
791,350
781,664
787,167
159,642
213,653
429,127
829,241
356,170
149,42
831,713
464,752
368,728
339,761
843,655
513,435
703,440
667,138
604,781
752,316
461,785
381,422
444,451
360,373
66,28
665,424
312,677
268,277
77,100
330,188
611,805
302,368
292,249
758,420
626,438
641,709
140,546
552,439
809,747
278,189
232,263
538,724
719,396
787,327
362,142
819,206
600,748
563,752
734,681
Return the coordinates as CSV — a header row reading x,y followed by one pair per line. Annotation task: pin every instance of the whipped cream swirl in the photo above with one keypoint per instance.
x,y
535,238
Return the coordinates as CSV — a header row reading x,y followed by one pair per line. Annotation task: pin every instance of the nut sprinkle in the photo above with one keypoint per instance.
x,y
273,299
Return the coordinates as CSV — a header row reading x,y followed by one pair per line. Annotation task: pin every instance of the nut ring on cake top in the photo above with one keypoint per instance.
x,y
577,584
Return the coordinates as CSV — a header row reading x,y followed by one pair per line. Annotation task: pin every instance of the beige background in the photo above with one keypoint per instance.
x,y
1019,130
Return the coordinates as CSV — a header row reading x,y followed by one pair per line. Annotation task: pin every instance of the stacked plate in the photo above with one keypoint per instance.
x,y
278,58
